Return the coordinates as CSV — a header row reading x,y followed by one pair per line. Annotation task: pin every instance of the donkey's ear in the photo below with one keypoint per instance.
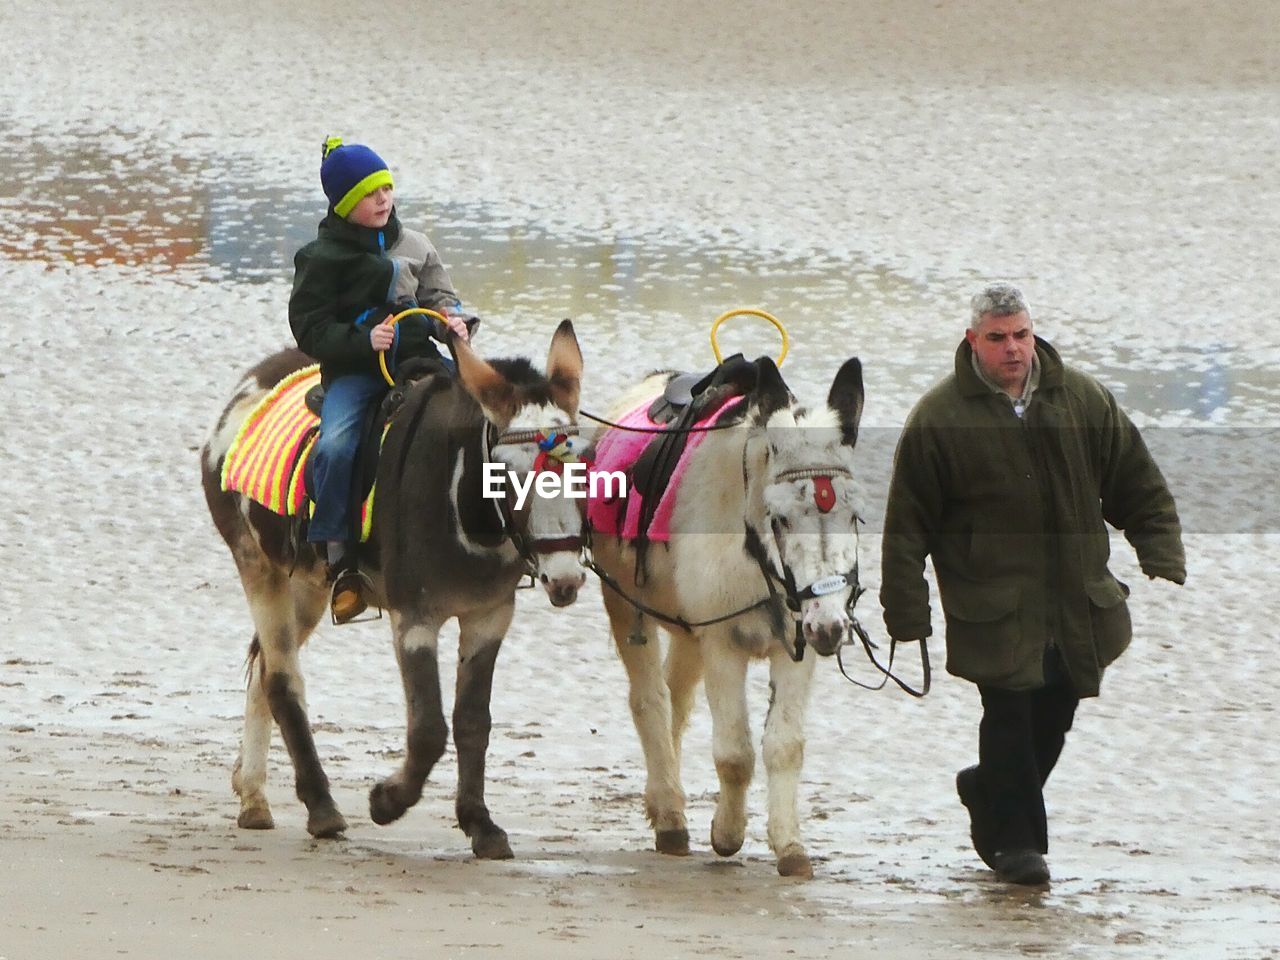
x,y
845,399
564,368
489,388
771,394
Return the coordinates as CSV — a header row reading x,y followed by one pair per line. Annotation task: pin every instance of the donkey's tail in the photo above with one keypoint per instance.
x,y
251,658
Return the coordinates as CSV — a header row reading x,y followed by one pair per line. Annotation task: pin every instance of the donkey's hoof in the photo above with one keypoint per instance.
x,y
387,803
256,817
325,822
492,846
795,863
726,844
674,843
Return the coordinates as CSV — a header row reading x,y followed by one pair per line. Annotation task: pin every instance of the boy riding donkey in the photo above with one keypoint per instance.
x,y
362,269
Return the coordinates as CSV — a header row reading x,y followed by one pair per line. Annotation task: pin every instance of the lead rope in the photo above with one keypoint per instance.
x,y
680,622
653,430
868,645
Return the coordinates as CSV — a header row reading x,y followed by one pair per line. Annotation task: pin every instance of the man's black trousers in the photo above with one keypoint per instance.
x,y
1019,740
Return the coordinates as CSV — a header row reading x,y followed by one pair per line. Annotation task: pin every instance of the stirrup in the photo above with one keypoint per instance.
x,y
361,588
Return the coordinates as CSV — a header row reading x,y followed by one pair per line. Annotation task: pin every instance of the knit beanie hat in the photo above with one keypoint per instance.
x,y
349,173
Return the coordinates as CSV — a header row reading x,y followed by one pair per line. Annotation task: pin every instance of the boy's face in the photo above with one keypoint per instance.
x,y
375,209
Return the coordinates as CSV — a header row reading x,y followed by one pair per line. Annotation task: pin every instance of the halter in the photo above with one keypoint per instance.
x,y
793,597
555,449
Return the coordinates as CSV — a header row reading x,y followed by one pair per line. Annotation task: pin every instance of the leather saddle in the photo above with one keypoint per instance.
x,y
686,398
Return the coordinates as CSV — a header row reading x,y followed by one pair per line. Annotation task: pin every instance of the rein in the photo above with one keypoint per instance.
x,y
659,430
793,598
680,622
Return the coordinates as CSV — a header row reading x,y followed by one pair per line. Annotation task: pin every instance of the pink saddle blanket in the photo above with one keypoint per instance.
x,y
618,450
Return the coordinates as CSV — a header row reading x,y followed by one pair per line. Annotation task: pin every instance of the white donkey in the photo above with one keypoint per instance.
x,y
760,562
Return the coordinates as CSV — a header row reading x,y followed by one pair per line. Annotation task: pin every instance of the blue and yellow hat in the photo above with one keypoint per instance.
x,y
349,172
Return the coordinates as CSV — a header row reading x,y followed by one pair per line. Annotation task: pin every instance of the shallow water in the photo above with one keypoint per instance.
x,y
112,197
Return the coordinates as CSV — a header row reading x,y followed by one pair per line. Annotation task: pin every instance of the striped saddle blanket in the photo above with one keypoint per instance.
x,y
268,458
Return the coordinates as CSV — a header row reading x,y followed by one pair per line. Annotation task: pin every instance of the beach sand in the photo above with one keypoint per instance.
x,y
857,168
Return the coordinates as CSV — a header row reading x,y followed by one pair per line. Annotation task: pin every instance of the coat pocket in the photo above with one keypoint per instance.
x,y
983,631
1109,616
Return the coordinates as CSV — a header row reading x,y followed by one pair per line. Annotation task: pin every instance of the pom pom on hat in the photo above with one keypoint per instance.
x,y
349,172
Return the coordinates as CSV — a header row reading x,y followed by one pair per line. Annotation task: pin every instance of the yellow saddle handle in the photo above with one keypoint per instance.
x,y
382,354
747,311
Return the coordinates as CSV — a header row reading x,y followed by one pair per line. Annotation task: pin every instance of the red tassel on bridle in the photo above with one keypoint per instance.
x,y
824,494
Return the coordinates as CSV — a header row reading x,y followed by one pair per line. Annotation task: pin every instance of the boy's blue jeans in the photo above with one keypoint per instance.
x,y
346,401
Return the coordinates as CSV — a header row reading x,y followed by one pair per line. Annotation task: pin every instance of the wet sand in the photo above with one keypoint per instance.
x,y
856,169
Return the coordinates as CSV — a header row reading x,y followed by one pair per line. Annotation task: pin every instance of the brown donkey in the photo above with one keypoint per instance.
x,y
441,547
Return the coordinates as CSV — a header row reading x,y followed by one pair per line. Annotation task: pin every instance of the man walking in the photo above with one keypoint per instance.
x,y
1006,475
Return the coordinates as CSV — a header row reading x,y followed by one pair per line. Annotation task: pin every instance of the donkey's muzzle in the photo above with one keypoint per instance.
x,y
825,637
562,590
560,568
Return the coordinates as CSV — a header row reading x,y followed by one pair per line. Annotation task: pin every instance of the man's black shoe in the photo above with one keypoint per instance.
x,y
969,787
1021,866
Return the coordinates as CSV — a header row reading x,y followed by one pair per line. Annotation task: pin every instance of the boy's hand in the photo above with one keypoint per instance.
x,y
382,336
457,322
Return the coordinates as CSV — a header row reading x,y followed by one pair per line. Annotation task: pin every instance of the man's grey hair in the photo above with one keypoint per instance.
x,y
999,299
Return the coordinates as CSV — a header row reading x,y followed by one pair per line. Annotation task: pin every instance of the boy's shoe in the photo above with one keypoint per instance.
x,y
969,787
347,601
1026,867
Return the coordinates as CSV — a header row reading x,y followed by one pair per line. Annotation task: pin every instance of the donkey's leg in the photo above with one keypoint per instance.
x,y
651,711
426,734
282,629
479,642
684,673
725,667
249,777
783,748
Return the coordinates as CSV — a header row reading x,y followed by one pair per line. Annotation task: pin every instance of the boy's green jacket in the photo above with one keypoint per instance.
x,y
1013,512
350,278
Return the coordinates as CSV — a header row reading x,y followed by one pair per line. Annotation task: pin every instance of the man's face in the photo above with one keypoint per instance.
x,y
1004,347
374,210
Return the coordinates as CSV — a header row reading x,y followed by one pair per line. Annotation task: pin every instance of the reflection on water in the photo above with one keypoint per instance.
x,y
121,199
1193,380
101,202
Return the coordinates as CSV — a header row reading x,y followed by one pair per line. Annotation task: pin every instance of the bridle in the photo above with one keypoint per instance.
x,y
793,596
555,449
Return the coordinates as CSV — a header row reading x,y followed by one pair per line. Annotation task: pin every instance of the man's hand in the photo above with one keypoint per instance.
x,y
382,336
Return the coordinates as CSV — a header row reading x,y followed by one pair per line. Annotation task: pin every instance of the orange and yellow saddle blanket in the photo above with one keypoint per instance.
x,y
268,458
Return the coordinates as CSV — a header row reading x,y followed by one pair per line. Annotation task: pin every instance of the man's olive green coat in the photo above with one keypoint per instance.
x,y
1012,512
